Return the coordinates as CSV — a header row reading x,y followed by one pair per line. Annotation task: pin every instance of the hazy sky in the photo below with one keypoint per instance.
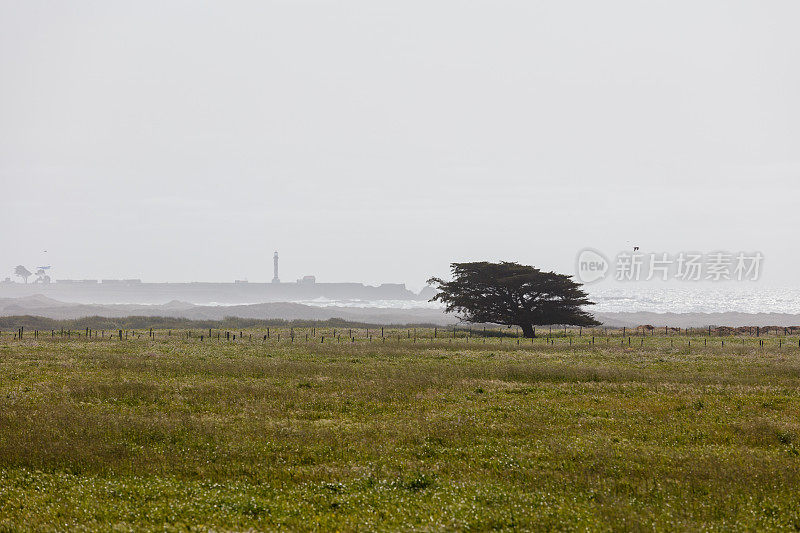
x,y
376,141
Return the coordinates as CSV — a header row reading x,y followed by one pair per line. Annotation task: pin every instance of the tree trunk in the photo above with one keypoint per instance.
x,y
527,331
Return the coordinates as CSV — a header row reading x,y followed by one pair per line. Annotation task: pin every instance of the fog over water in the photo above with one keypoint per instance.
x,y
642,299
696,299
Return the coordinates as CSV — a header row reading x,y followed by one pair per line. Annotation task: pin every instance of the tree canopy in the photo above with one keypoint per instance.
x,y
22,272
513,294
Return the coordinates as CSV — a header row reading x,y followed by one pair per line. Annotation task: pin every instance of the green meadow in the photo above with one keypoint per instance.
x,y
354,431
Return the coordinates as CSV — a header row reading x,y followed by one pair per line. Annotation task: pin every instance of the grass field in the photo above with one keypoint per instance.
x,y
417,433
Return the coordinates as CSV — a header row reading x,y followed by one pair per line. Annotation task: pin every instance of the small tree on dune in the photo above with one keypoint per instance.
x,y
514,295
22,272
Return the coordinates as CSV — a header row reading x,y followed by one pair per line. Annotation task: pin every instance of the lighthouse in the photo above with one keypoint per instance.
x,y
275,268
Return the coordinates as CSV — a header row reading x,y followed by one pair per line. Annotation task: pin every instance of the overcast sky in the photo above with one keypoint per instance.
x,y
379,141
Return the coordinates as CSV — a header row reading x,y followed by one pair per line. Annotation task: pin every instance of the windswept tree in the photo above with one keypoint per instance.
x,y
22,272
514,295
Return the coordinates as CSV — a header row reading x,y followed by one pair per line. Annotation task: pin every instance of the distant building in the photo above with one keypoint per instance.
x,y
307,280
275,278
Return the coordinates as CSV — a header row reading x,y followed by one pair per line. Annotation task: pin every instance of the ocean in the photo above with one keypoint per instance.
x,y
696,299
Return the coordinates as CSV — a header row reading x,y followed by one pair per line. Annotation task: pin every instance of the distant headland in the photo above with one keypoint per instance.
x,y
134,291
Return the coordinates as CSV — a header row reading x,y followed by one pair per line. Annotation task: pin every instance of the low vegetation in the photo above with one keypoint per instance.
x,y
354,431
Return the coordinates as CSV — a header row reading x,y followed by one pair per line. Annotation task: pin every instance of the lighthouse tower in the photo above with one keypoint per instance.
x,y
275,268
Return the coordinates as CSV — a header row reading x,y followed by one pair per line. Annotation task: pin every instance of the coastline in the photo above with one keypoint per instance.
x,y
39,305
